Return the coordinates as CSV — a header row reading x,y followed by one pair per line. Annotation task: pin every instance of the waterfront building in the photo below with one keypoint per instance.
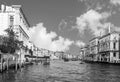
x,y
93,46
35,51
82,53
39,52
31,48
103,49
70,56
45,52
13,17
52,55
87,53
58,54
109,47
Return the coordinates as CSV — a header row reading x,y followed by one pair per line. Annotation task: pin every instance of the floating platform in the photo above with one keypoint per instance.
x,y
100,62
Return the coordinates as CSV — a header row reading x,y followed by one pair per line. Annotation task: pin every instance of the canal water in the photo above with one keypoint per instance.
x,y
60,71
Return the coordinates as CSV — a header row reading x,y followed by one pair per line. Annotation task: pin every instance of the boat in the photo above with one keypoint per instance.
x,y
46,61
66,59
81,62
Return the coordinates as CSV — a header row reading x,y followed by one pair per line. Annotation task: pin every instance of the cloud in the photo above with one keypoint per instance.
x,y
79,43
62,24
93,4
100,5
115,2
61,44
114,28
43,39
92,20
82,0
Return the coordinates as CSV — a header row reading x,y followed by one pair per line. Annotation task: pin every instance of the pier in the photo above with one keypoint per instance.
x,y
8,61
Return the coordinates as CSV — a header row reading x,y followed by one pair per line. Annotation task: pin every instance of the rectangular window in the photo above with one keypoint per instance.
x,y
11,20
114,54
119,55
0,56
114,45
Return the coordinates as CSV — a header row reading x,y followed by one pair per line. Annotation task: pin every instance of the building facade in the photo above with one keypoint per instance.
x,y
13,17
82,53
103,49
93,48
109,47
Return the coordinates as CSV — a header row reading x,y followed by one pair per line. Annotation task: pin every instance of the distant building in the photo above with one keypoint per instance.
x,y
82,53
52,55
59,54
93,46
86,53
39,52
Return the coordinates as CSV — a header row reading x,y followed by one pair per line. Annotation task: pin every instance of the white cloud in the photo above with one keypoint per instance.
x,y
115,2
43,39
92,20
79,43
114,28
61,44
81,0
62,25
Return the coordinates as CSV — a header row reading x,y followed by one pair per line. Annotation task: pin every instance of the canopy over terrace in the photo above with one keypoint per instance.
x,y
8,55
29,56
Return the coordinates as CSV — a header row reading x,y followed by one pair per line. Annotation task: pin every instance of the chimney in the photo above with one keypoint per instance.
x,y
109,28
100,33
16,6
3,8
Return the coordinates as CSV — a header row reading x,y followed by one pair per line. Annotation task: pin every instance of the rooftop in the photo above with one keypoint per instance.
x,y
9,8
109,34
94,38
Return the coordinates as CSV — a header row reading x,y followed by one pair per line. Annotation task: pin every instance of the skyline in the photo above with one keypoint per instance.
x,y
68,24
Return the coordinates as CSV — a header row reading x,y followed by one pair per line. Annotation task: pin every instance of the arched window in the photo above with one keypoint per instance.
x,y
114,43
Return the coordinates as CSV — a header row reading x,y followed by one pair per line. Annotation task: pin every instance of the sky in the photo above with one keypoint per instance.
x,y
68,25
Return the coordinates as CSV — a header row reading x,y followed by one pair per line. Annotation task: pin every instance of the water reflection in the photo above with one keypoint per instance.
x,y
59,71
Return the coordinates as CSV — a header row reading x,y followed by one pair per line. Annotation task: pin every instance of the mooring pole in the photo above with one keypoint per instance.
x,y
16,64
7,63
1,64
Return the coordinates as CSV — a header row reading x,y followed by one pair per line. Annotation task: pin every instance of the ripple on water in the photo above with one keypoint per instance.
x,y
59,71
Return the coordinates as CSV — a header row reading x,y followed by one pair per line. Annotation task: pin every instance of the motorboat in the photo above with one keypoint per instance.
x,y
81,62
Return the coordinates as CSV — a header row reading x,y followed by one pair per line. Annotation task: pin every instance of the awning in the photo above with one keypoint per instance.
x,y
36,56
30,56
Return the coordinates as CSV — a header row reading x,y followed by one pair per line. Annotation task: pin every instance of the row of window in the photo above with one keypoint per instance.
x,y
104,46
12,21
